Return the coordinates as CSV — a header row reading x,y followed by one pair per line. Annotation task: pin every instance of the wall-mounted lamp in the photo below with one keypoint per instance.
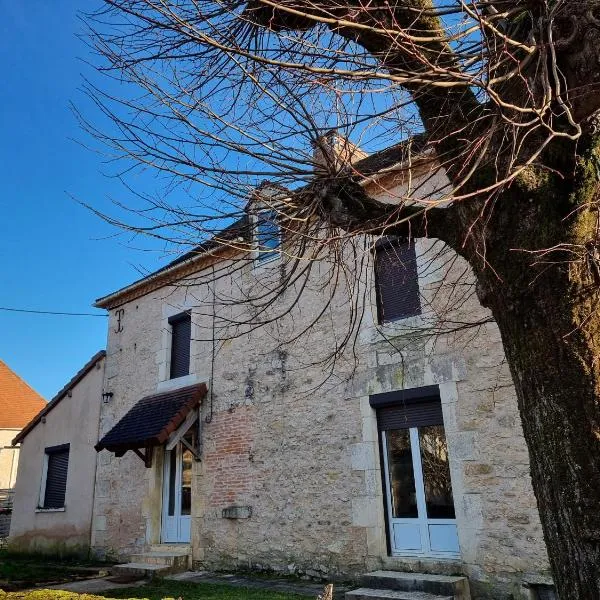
x,y
106,396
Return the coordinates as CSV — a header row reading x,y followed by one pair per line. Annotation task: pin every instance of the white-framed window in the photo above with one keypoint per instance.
x,y
267,236
54,477
396,280
181,339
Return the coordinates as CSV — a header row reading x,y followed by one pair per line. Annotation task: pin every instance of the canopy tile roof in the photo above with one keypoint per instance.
x,y
19,402
152,419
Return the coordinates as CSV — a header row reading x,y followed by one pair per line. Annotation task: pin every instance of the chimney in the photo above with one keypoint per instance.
x,y
333,151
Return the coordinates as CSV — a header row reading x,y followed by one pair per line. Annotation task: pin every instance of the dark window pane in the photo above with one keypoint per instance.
x,y
401,474
436,472
268,235
172,476
396,280
180,345
56,479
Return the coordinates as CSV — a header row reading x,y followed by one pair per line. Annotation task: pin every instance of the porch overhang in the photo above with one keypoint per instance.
x,y
151,421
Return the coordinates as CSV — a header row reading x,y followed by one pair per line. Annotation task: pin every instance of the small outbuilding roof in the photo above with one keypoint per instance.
x,y
152,419
63,392
19,402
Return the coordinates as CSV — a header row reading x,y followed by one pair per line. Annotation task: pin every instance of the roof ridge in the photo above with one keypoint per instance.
x,y
15,374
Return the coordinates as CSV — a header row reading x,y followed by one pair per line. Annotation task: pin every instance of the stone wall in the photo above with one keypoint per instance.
x,y
297,441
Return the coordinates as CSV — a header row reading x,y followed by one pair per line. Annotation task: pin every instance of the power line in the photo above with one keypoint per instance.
x,y
52,312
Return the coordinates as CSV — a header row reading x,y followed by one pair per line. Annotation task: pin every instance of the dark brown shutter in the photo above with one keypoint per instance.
x,y
396,280
56,476
180,344
403,409
410,415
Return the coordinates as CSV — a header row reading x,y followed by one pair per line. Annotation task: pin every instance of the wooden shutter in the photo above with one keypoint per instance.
x,y
180,344
56,476
396,280
403,409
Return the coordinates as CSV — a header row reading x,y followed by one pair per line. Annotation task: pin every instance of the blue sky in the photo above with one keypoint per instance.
x,y
55,255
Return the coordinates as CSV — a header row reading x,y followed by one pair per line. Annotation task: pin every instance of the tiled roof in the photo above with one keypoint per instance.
x,y
369,166
50,405
18,401
238,229
151,421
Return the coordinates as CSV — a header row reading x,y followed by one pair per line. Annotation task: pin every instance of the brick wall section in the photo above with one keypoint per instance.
x,y
227,459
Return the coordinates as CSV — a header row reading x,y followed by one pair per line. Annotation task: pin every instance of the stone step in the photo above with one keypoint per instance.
x,y
378,594
142,569
443,585
175,548
176,561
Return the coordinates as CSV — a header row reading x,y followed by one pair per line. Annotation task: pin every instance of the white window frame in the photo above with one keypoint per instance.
x,y
263,258
44,479
165,383
170,321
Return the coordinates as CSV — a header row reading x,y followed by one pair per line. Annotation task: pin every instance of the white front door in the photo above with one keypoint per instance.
x,y
177,495
419,492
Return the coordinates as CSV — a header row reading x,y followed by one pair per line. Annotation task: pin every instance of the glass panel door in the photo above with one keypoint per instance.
x,y
439,502
177,495
419,492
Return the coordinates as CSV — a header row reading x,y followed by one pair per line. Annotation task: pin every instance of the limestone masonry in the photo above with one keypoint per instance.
x,y
290,477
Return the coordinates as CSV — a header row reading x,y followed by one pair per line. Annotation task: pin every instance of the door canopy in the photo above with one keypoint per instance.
x,y
151,421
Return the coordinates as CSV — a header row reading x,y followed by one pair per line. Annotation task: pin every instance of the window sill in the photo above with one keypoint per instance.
x,y
50,510
178,382
263,264
379,332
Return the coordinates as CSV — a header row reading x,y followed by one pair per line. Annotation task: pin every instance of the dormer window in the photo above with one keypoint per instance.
x,y
267,235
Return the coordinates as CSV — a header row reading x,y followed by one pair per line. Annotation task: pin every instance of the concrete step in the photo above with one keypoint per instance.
x,y
375,594
176,561
142,569
442,585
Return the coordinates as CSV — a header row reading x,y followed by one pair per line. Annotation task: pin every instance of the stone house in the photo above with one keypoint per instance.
x,y
18,404
53,496
247,450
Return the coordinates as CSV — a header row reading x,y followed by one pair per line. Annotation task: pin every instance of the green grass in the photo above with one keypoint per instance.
x,y
21,571
157,590
160,590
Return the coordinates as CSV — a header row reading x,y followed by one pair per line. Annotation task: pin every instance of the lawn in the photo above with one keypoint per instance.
x,y
22,571
158,590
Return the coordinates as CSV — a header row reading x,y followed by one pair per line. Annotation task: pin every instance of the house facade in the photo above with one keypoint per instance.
x,y
18,404
407,453
53,496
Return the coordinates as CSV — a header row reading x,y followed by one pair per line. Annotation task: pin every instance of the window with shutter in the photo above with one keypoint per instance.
x,y
396,280
181,334
57,465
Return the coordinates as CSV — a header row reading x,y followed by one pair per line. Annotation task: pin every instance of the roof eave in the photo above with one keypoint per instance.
x,y
18,439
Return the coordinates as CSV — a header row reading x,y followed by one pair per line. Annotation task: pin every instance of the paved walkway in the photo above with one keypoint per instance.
x,y
94,586
274,584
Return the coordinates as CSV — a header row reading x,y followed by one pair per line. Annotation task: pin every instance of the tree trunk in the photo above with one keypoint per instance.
x,y
551,336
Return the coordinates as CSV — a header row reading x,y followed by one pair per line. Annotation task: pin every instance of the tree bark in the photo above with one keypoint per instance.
x,y
554,364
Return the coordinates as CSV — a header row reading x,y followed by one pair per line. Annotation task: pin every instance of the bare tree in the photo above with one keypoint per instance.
x,y
500,96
